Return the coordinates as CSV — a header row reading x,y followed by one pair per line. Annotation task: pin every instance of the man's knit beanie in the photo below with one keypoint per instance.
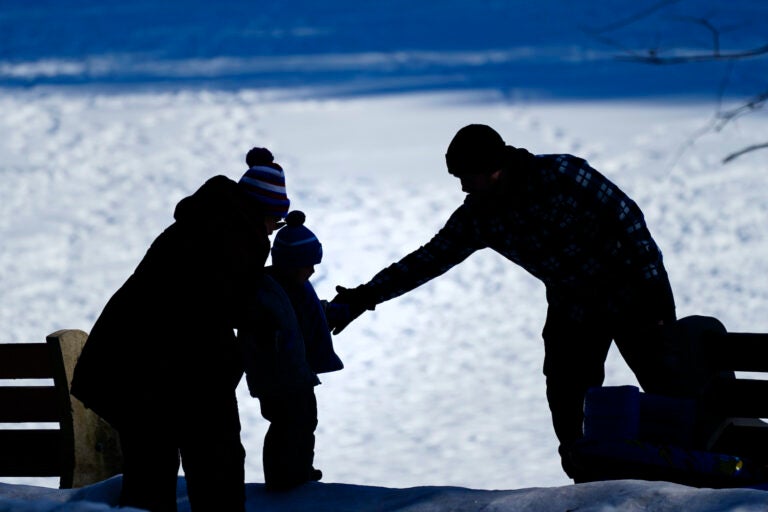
x,y
265,181
475,149
295,245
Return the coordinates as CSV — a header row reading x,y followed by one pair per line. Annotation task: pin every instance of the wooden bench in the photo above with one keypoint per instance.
x,y
743,400
83,449
717,438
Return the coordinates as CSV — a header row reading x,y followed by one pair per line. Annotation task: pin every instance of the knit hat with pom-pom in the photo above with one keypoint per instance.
x,y
265,181
295,245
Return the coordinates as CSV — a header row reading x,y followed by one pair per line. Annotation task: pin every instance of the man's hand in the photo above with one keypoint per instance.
x,y
348,304
336,313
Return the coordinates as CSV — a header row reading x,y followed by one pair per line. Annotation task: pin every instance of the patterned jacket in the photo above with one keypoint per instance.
x,y
567,225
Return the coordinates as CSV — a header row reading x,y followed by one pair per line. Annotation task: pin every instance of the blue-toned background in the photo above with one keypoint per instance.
x,y
549,48
111,112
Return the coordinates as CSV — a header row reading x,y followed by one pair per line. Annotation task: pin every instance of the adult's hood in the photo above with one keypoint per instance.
x,y
220,199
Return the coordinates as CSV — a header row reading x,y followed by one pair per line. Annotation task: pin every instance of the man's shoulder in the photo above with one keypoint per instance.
x,y
560,159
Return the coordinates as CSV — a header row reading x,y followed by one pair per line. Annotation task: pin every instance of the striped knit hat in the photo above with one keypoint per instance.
x,y
265,181
295,245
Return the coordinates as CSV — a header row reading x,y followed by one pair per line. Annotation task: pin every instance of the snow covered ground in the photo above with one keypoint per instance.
x,y
442,387
627,495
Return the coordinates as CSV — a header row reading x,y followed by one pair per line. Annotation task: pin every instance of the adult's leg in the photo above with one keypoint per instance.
x,y
650,354
213,456
150,468
646,334
574,361
670,360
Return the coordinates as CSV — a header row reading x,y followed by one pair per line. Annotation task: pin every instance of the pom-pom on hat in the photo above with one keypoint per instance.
x,y
295,245
265,181
475,149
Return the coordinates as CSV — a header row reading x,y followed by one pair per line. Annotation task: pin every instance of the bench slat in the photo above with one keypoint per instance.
x,y
748,439
739,351
21,404
25,361
744,398
30,453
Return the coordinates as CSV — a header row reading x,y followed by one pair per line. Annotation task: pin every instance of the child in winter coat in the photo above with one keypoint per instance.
x,y
281,367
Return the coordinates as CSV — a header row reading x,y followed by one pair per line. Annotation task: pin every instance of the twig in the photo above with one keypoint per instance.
x,y
748,149
634,17
709,26
653,57
755,103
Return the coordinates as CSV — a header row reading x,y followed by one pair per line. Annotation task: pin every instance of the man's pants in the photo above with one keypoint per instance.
x,y
575,354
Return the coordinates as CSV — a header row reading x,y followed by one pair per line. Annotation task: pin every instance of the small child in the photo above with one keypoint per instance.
x,y
289,360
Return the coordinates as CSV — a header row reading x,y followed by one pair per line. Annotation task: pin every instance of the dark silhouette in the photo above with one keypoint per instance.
x,y
578,233
283,360
161,363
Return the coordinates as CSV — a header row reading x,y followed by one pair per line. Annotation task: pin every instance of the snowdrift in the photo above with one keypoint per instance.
x,y
625,495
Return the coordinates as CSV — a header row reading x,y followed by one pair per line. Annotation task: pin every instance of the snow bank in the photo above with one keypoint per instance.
x,y
623,495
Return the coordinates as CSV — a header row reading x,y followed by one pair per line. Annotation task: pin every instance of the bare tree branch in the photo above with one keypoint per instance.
x,y
748,149
710,27
753,104
599,32
633,18
653,56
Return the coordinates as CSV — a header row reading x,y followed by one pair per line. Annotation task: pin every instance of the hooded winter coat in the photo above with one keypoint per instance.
x,y
166,336
309,312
